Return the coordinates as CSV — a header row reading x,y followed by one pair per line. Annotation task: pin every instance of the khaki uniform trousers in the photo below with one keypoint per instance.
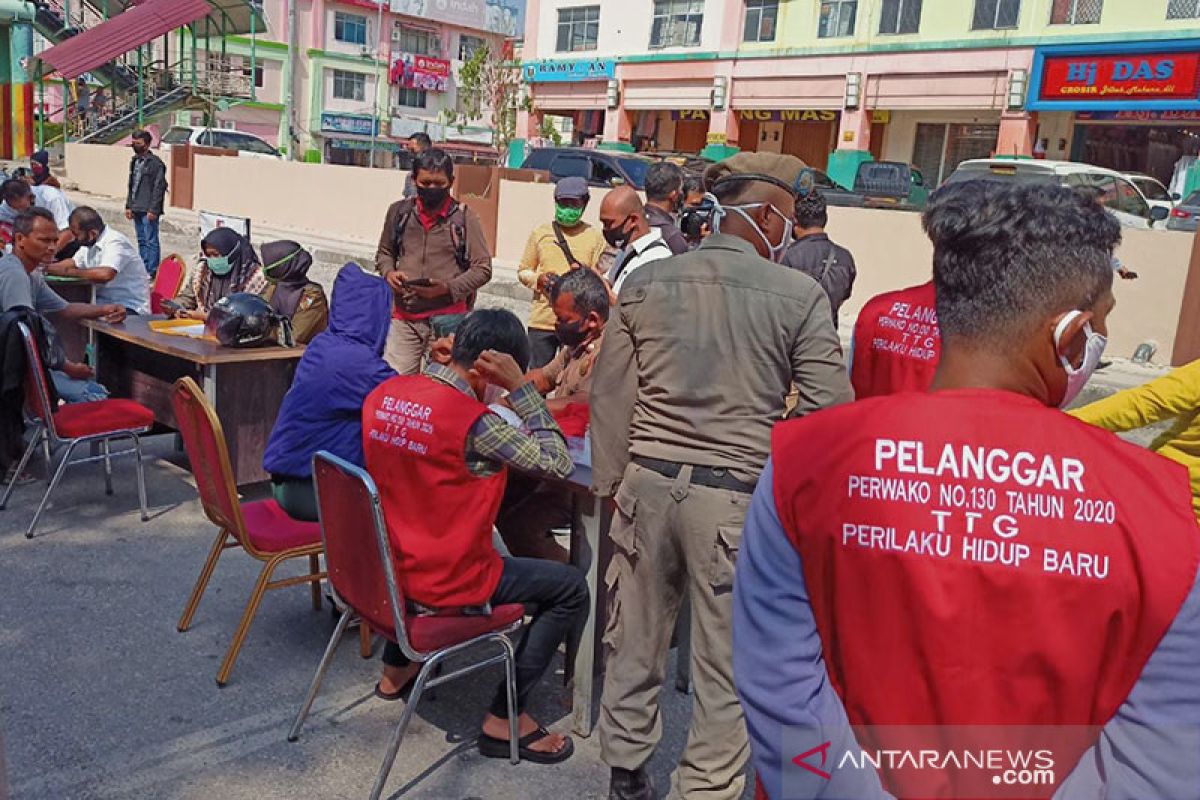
x,y
407,345
670,538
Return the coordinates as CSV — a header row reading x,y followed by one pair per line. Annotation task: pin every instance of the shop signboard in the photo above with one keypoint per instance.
x,y
414,71
467,13
881,116
596,69
1095,78
1137,115
349,123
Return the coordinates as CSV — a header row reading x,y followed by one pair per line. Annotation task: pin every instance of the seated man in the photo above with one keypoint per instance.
x,y
35,238
108,259
19,193
323,409
532,508
440,459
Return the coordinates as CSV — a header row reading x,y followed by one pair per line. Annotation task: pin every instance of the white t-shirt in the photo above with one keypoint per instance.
x,y
131,287
54,201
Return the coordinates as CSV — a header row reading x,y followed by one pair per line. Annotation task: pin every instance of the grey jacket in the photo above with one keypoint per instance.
x,y
147,184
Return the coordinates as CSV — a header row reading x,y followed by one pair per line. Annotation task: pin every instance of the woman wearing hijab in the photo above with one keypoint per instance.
x,y
39,166
229,265
291,293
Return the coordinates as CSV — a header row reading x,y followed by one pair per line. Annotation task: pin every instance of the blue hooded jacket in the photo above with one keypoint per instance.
x,y
342,365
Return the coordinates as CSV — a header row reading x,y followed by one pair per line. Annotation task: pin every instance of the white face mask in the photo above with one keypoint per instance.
x,y
1093,349
776,251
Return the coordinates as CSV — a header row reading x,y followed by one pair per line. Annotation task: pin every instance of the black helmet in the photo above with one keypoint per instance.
x,y
243,320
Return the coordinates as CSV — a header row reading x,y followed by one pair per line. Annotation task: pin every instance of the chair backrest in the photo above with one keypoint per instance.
x,y
358,554
205,444
37,393
167,282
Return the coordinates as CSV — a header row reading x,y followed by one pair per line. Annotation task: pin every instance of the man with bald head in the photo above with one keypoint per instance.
x,y
697,361
627,228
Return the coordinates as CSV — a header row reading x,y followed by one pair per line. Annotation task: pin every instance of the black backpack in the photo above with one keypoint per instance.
x,y
457,219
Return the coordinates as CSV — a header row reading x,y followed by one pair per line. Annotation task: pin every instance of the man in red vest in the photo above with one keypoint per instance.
x,y
1000,600
440,459
896,344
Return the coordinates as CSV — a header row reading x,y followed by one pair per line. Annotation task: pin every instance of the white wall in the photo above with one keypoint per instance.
x,y
624,29
902,129
342,106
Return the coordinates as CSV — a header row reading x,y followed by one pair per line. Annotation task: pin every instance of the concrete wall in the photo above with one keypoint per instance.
x,y
99,168
891,252
524,206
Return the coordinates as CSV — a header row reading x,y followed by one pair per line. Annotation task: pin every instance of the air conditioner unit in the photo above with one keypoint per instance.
x,y
396,34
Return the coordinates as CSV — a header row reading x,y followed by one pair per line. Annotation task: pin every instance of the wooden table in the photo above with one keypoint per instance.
x,y
72,334
245,386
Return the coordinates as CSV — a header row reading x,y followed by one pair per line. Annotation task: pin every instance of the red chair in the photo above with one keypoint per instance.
x,y
260,528
167,282
72,425
364,576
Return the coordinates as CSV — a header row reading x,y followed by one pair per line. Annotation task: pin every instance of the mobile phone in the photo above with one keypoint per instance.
x,y
419,282
171,307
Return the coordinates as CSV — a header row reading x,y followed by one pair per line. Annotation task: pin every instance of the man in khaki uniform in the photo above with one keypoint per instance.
x,y
697,361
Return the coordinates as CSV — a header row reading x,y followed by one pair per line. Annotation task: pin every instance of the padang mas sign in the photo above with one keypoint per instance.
x,y
1083,79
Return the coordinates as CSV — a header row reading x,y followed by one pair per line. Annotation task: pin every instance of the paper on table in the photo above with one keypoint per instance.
x,y
178,327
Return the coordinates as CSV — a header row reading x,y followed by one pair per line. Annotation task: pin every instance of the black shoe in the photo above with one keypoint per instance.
x,y
630,784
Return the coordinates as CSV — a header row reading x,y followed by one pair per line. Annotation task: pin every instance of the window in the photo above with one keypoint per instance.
x,y
258,72
231,140
1076,12
996,14
578,28
571,166
350,28
837,18
939,148
413,98
177,136
349,85
1131,201
1152,189
900,16
467,45
419,41
761,16
677,23
1183,9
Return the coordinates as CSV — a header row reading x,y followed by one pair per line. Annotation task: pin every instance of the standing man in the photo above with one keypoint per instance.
x,y
554,249
147,193
857,604
418,143
627,228
814,254
664,199
692,377
896,344
434,255
108,259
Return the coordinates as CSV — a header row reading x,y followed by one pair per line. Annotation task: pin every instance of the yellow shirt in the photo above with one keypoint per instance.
x,y
1176,396
543,255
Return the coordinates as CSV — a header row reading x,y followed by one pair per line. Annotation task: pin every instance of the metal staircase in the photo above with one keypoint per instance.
x,y
50,20
127,119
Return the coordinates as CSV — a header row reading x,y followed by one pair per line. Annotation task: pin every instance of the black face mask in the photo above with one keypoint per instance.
x,y
617,238
432,197
570,333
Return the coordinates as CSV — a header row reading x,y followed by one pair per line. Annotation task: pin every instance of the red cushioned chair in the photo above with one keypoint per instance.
x,y
167,282
81,423
260,528
364,576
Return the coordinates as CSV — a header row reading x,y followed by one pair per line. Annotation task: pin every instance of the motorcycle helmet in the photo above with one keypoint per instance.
x,y
244,320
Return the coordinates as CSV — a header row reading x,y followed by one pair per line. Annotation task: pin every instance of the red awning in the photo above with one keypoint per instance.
x,y
127,31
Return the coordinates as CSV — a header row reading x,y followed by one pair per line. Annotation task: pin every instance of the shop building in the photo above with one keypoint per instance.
x,y
837,82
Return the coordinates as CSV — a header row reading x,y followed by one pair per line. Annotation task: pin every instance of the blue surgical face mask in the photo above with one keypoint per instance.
x,y
219,265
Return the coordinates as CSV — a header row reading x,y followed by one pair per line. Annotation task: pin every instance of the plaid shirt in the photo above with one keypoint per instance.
x,y
493,443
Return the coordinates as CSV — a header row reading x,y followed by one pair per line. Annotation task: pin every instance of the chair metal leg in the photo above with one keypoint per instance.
x,y
46,453
189,610
141,476
58,473
260,588
365,640
39,435
330,649
107,450
410,707
314,566
510,685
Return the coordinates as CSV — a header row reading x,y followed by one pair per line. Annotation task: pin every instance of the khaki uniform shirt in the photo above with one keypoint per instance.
x,y
699,357
571,372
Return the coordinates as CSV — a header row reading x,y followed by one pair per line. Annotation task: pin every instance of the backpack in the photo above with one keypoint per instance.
x,y
456,219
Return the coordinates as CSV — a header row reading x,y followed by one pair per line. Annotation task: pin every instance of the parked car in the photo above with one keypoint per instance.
x,y
246,144
1154,193
1186,214
690,163
835,194
891,184
1117,193
598,167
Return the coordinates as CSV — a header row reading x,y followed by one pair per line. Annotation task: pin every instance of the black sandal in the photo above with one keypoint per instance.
x,y
491,747
399,693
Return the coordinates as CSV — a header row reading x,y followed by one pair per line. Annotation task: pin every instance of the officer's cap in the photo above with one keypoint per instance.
x,y
785,171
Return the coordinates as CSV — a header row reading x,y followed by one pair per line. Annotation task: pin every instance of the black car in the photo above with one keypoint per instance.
x,y
836,195
598,167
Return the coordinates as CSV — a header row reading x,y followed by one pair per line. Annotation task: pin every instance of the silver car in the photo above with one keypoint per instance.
x,y
1185,214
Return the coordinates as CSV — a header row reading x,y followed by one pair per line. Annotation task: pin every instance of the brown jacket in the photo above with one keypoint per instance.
x,y
699,355
431,254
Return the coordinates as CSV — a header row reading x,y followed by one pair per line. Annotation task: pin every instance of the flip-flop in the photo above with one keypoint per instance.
x,y
491,747
399,693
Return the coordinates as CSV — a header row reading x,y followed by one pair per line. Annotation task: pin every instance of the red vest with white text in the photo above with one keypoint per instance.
x,y
439,516
897,343
975,558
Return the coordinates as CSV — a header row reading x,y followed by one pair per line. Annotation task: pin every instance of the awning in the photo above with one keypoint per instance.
x,y
225,17
126,31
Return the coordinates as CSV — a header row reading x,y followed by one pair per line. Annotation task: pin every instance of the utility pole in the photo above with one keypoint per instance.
x,y
380,82
289,83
